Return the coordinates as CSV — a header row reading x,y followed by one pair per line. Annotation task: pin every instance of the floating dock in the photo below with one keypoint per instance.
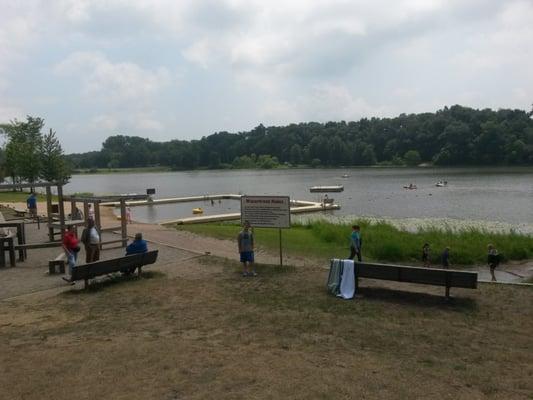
x,y
297,207
326,189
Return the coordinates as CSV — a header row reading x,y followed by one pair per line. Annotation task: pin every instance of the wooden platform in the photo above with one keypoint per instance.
x,y
176,200
308,207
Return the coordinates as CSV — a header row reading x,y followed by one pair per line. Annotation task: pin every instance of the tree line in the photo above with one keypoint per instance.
x,y
30,155
452,136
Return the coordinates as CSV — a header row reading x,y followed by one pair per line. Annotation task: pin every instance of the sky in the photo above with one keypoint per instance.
x,y
183,69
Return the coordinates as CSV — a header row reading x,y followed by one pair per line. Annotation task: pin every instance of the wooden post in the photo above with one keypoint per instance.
x,y
61,209
123,223
280,250
72,208
97,222
49,213
85,211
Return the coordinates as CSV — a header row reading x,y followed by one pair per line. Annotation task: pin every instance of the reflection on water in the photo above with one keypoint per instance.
x,y
495,194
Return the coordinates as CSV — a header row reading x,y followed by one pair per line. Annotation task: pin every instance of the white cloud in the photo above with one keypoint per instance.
x,y
102,80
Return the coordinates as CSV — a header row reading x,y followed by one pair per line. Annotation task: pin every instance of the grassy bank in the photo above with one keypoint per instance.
x,y
14,197
381,241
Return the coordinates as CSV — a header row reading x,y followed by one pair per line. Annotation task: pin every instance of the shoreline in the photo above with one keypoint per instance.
x,y
408,224
413,225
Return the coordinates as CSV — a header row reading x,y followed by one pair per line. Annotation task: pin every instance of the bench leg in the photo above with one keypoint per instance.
x,y
139,272
447,293
52,267
86,284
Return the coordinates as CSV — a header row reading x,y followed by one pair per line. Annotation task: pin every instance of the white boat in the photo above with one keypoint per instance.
x,y
441,184
345,176
324,189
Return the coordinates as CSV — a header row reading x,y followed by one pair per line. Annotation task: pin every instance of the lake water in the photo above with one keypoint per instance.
x,y
490,194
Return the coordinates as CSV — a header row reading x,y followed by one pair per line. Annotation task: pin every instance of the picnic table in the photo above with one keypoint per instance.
x,y
6,243
20,235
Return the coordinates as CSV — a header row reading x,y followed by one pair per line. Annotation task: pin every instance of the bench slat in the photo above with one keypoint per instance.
x,y
97,268
428,276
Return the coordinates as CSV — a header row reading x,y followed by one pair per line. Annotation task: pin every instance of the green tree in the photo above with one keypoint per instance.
x,y
23,158
296,154
54,167
412,157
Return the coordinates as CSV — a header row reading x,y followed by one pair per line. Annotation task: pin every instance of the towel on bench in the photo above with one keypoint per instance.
x,y
341,278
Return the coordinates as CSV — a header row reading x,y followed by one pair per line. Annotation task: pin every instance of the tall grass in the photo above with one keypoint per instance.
x,y
382,241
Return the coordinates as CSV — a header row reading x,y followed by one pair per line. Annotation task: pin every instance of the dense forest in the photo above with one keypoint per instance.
x,y
452,136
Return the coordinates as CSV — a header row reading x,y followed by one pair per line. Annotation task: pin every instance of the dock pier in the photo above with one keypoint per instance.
x,y
297,207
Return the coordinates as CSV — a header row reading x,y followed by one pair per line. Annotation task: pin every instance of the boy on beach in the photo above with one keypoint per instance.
x,y
245,240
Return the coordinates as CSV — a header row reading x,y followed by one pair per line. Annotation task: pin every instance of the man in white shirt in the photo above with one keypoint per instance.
x,y
90,238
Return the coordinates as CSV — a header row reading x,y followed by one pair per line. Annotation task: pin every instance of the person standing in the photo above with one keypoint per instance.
x,y
355,243
31,203
425,254
493,259
128,215
445,258
71,247
90,238
245,241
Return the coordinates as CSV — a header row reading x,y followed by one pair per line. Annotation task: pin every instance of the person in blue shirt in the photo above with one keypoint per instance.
x,y
245,241
31,202
137,246
355,243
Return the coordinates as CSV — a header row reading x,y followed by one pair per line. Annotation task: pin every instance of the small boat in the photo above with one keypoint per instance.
x,y
345,176
324,189
441,184
198,210
410,187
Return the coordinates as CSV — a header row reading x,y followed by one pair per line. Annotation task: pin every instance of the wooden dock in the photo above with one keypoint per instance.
x,y
171,200
297,207
309,207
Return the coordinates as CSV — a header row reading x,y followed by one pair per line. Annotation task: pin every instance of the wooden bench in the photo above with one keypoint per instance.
x,y
104,267
428,276
59,261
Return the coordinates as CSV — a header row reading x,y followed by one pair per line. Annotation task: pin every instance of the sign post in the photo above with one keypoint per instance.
x,y
267,212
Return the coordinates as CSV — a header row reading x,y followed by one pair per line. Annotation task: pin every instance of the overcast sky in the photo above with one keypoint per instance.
x,y
166,69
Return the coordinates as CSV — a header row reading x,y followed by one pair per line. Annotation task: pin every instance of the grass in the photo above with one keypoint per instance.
x,y
276,336
15,197
381,241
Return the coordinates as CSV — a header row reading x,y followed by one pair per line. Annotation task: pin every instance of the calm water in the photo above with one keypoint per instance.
x,y
504,194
